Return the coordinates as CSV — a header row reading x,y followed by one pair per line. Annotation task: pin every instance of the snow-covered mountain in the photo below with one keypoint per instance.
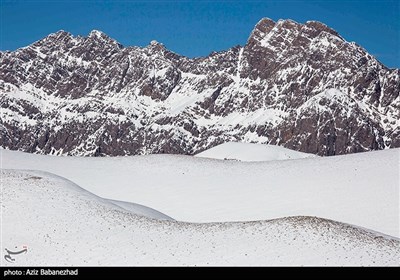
x,y
301,86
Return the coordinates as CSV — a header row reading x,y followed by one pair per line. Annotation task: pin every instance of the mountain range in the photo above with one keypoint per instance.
x,y
301,86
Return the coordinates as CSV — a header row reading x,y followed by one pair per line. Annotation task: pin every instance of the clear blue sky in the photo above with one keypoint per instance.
x,y
195,28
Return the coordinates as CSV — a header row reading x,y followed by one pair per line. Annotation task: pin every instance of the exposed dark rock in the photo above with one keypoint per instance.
x,y
297,85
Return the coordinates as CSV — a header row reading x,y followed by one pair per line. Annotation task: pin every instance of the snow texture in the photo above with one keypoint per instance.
x,y
62,224
251,152
359,189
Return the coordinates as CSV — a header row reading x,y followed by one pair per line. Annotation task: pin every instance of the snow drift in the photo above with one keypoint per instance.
x,y
251,152
62,224
360,189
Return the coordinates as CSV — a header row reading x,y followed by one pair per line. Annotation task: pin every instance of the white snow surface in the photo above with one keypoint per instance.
x,y
359,189
61,224
251,152
140,210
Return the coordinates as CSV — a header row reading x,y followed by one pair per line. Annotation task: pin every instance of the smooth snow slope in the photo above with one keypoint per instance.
x,y
62,224
251,152
359,189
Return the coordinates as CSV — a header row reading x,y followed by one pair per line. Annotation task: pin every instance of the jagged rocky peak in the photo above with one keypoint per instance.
x,y
103,39
266,29
297,85
156,43
97,34
264,25
60,34
288,24
60,37
262,28
156,46
319,27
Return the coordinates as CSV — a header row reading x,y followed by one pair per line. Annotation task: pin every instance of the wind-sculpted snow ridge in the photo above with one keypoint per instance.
x,y
301,86
360,189
251,152
58,223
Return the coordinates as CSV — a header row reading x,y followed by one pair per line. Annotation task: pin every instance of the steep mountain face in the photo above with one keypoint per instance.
x,y
301,86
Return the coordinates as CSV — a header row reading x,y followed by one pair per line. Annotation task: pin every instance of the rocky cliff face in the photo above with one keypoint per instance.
x,y
301,86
